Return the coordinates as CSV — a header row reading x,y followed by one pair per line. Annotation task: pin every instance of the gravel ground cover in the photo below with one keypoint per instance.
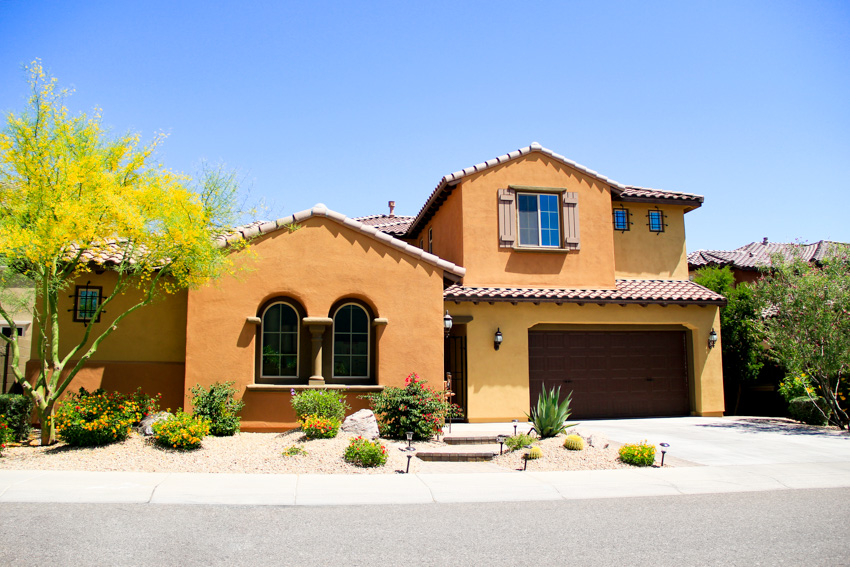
x,y
263,453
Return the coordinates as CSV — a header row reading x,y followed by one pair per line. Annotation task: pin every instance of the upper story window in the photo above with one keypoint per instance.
x,y
351,342
86,300
431,240
279,348
656,220
539,221
621,219
538,218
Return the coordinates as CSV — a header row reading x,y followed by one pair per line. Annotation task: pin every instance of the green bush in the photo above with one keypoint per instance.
x,y
518,441
94,418
315,427
294,451
5,434
806,410
550,415
365,453
416,408
322,403
798,386
17,409
181,431
218,406
639,454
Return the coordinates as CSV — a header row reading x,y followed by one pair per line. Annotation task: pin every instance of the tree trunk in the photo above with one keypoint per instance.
x,y
48,428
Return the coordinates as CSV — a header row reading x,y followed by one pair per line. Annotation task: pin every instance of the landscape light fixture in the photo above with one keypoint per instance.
x,y
407,470
663,451
525,457
497,339
447,323
712,339
500,439
515,422
409,435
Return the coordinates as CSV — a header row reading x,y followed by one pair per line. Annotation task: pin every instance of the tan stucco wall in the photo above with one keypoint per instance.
x,y
498,381
447,230
19,307
317,265
641,254
489,265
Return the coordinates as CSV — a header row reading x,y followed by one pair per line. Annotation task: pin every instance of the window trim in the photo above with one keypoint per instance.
x,y
558,206
262,334
569,239
336,311
430,239
661,217
76,309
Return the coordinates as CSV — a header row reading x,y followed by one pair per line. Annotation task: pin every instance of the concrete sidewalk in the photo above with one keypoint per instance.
x,y
737,454
311,490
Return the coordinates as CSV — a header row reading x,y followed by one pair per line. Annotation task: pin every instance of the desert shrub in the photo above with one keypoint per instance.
x,y
416,408
322,403
181,431
94,418
5,433
294,450
365,453
315,427
550,415
217,405
17,409
518,441
639,454
813,411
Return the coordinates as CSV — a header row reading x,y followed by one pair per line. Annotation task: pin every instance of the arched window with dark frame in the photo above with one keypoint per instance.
x,y
351,346
280,337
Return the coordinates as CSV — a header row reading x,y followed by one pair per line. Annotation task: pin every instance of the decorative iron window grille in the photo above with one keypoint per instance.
x,y
656,220
87,299
622,220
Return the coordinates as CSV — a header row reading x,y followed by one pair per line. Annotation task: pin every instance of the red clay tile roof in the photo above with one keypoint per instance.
x,y
110,252
757,255
680,292
444,187
395,225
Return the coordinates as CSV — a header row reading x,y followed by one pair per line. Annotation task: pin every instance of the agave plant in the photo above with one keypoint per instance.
x,y
550,415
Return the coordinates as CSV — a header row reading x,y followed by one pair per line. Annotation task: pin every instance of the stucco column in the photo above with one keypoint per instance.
x,y
317,326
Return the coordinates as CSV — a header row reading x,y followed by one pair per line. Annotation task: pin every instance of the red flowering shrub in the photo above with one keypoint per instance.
x,y
416,408
365,453
5,433
315,427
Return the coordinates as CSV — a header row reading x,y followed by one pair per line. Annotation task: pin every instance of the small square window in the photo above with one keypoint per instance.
x,y
86,301
656,221
621,219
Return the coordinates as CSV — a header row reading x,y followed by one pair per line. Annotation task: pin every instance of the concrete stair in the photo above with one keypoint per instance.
x,y
464,448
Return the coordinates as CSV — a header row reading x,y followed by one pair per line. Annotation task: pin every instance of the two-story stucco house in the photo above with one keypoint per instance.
x,y
551,273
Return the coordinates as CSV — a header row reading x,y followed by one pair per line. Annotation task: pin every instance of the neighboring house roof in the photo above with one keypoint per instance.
x,y
391,224
627,291
259,228
625,192
756,255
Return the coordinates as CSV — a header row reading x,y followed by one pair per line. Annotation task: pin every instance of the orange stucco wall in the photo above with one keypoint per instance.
x,y
489,265
317,265
641,254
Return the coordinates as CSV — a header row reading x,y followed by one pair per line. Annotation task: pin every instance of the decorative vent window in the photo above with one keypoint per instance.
x,y
351,342
656,220
86,301
621,220
280,341
539,222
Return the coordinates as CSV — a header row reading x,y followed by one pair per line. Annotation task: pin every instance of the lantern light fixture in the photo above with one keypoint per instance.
x,y
712,339
497,339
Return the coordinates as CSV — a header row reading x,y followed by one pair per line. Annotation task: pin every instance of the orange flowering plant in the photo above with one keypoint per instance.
x,y
95,418
639,454
316,427
181,431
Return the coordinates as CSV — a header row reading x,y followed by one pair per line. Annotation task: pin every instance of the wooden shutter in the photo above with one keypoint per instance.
x,y
507,218
571,232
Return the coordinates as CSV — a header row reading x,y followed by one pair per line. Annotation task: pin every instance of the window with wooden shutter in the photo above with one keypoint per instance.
x,y
507,218
571,228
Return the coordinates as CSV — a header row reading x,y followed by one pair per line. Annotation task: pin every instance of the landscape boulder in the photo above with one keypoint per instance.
x,y
145,426
362,423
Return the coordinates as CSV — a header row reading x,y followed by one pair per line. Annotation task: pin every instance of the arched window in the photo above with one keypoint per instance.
x,y
351,342
279,348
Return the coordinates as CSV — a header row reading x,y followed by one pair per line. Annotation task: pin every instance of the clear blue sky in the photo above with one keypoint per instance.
x,y
356,103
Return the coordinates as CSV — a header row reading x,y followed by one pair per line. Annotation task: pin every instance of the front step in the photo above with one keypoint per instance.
x,y
485,439
458,456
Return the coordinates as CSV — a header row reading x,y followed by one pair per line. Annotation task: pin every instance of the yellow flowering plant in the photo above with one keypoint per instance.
x,y
95,418
639,454
75,200
181,431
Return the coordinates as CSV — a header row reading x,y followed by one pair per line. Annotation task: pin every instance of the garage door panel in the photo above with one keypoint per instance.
x,y
612,373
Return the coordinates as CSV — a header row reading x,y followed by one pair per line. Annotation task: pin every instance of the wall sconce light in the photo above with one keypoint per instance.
x,y
447,323
712,339
497,339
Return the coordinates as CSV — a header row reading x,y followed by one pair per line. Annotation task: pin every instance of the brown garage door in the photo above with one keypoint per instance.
x,y
612,374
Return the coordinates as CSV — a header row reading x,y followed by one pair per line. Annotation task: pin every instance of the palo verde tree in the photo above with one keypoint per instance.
x,y
70,195
743,355
807,323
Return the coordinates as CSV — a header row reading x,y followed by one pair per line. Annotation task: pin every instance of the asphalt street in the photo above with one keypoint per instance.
x,y
787,527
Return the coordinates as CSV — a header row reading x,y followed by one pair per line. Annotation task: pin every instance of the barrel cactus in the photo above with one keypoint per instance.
x,y
534,453
574,443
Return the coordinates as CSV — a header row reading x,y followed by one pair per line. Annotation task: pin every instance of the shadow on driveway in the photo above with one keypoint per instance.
x,y
776,425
